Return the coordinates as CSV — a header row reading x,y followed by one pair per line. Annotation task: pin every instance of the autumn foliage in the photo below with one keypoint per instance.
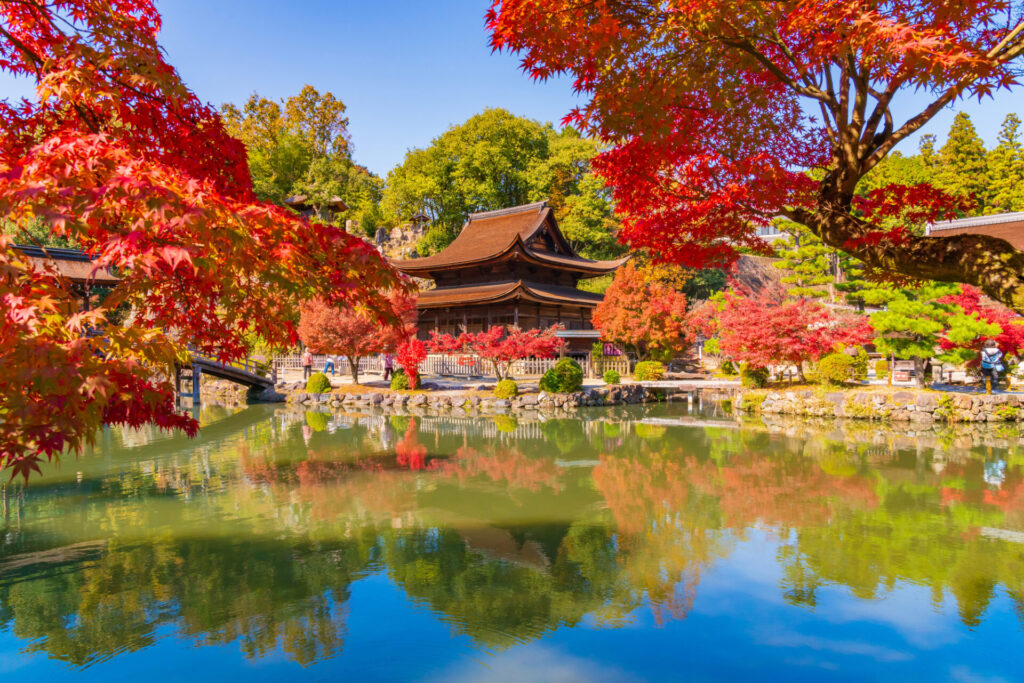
x,y
119,157
357,333
765,330
647,317
721,115
500,345
1011,336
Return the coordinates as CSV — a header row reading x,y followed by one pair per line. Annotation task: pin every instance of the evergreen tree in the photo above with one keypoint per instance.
x,y
1006,170
809,264
963,165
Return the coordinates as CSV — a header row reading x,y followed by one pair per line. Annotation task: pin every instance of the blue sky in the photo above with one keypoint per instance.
x,y
406,69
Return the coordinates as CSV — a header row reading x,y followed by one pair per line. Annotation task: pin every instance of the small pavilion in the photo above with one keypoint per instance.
x,y
73,265
509,267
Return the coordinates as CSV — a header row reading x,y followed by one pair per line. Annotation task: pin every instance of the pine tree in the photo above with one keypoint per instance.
x,y
808,262
963,165
1006,169
926,152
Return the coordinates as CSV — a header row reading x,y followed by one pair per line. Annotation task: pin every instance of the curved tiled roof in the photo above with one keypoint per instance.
x,y
75,265
504,291
496,235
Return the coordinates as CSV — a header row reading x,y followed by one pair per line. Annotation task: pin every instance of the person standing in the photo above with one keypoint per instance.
x,y
389,366
329,365
991,364
307,364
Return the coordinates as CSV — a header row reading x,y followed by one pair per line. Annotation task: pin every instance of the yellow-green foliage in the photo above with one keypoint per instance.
x,y
506,423
1008,413
318,384
565,378
648,371
753,377
881,368
645,431
860,365
751,402
318,421
835,368
506,388
611,377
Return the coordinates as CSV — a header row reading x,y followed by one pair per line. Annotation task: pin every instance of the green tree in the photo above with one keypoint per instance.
x,y
810,265
494,160
963,166
1006,169
300,146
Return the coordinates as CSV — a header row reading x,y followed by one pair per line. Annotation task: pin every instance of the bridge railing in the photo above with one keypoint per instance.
x,y
249,365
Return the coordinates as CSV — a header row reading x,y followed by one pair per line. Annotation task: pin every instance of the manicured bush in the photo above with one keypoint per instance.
x,y
648,371
400,381
860,365
611,377
881,368
727,367
318,384
753,377
835,368
506,388
565,378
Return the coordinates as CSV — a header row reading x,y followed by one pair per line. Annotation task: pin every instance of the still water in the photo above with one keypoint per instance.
x,y
640,544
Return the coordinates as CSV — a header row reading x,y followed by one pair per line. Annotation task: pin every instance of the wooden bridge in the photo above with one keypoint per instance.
x,y
250,373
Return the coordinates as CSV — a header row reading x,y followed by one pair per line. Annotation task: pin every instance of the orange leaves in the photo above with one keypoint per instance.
x,y
647,317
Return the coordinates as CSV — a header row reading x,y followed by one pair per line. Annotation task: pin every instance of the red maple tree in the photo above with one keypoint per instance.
x,y
1010,340
500,345
409,354
648,318
767,329
721,115
116,155
356,333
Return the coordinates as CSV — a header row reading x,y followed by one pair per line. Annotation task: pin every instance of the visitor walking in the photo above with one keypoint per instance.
x,y
991,364
389,366
329,364
307,364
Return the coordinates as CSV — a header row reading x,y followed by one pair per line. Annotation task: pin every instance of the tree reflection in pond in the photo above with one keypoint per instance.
x,y
256,533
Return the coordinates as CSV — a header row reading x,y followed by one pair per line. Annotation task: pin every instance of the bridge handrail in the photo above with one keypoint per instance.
x,y
249,365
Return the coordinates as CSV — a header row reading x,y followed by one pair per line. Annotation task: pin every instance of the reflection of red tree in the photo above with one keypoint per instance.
x,y
506,465
409,452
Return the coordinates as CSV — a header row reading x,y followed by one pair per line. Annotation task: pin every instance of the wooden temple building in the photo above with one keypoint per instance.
x,y
509,267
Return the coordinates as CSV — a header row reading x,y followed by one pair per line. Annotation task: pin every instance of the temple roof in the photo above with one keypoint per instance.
x,y
509,234
72,264
495,292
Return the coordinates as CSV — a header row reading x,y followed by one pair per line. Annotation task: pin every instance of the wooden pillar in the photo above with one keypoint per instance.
x,y
197,376
515,315
465,321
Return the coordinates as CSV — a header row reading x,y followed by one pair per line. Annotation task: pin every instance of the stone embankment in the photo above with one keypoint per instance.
x,y
921,406
475,403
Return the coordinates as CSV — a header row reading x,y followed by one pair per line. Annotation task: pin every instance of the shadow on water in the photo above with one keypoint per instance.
x,y
506,530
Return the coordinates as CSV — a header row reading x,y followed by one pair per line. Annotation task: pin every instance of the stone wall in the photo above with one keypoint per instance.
x,y
474,403
920,406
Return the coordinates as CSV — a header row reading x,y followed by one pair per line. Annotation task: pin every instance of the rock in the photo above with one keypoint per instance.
x,y
376,399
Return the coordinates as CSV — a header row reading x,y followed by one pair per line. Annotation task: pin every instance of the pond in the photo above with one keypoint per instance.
x,y
630,544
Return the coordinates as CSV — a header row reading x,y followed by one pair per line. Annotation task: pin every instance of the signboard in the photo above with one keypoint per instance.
x,y
610,350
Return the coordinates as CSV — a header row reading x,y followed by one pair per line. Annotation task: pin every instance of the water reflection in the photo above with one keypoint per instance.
x,y
505,530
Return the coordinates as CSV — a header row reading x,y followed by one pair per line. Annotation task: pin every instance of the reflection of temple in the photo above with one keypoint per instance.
x,y
509,267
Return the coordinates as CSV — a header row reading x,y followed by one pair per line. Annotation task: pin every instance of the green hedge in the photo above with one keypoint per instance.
x,y
835,368
506,388
727,367
881,368
565,378
859,365
318,384
753,377
400,381
612,377
648,371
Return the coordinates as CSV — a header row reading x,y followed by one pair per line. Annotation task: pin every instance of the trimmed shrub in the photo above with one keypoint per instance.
x,y
565,378
611,377
400,381
753,377
860,365
835,368
648,371
506,388
318,384
727,367
881,368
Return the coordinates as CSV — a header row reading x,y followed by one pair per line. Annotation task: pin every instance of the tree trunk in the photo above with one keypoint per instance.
x,y
989,263
919,364
353,367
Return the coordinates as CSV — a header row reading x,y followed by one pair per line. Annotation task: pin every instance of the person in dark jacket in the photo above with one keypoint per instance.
x,y
991,364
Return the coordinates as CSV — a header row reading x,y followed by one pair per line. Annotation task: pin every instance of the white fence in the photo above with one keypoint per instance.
x,y
457,365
